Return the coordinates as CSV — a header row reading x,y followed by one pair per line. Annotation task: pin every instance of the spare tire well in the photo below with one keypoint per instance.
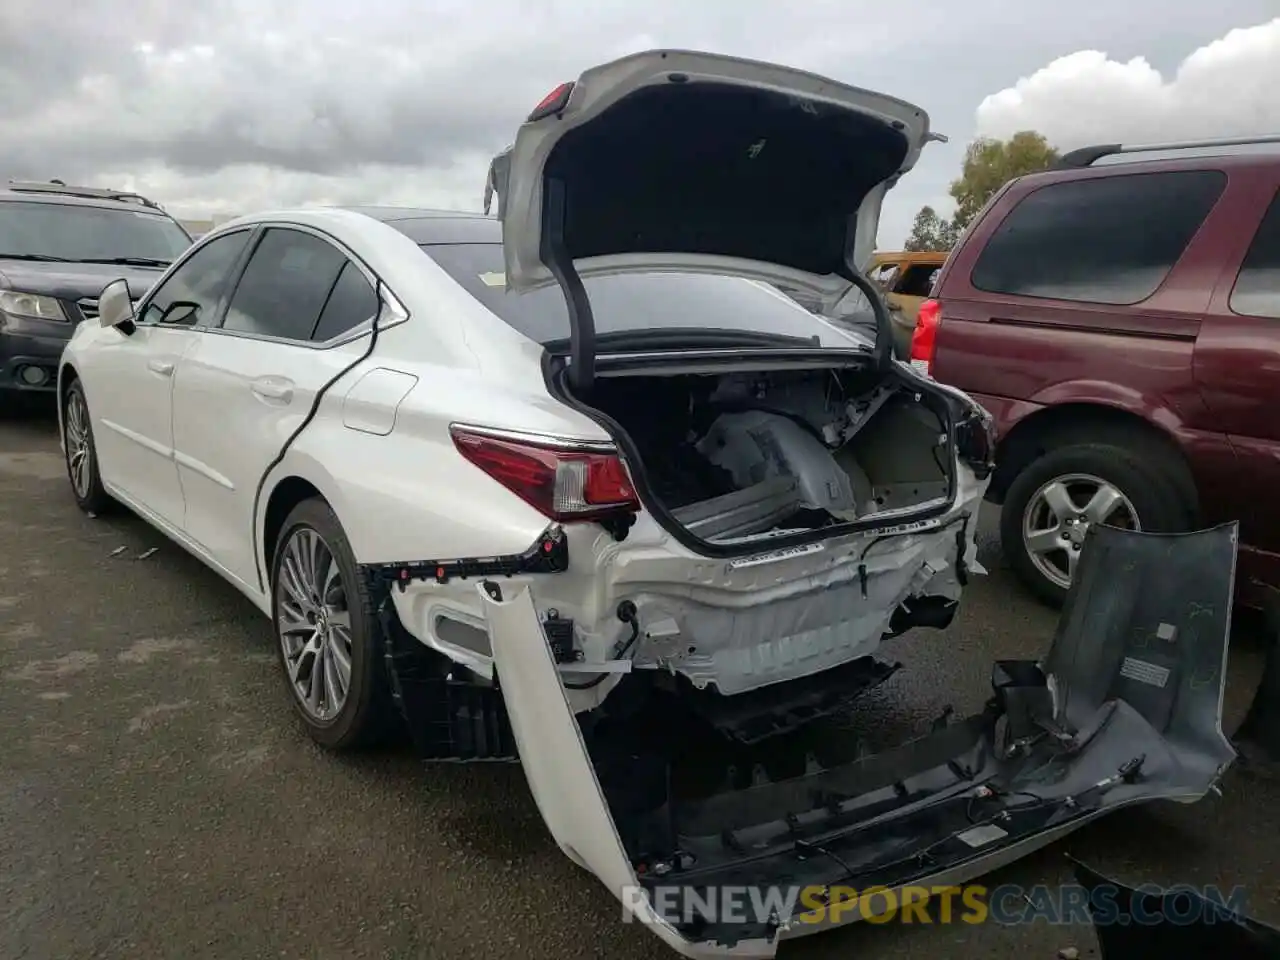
x,y
1088,423
286,495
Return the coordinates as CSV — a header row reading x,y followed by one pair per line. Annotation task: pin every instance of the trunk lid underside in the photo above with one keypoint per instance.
x,y
675,161
1124,708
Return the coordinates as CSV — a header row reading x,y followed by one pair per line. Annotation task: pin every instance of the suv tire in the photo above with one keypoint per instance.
x,y
1149,500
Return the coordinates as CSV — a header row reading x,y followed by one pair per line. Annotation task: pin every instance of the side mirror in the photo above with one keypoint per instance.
x,y
180,313
115,309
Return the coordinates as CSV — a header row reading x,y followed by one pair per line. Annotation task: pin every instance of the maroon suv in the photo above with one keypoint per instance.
x,y
1121,322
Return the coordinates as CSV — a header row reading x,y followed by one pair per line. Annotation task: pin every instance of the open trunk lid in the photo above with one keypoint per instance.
x,y
1125,708
673,160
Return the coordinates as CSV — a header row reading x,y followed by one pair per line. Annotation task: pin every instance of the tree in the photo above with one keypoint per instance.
x,y
930,232
989,164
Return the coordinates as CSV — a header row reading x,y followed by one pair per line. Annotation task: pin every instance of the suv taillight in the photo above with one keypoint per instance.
x,y
563,484
924,339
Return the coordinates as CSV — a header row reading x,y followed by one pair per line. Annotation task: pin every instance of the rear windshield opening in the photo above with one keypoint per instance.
x,y
638,301
720,169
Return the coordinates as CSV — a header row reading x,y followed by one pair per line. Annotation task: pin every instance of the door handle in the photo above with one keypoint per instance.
x,y
162,367
275,389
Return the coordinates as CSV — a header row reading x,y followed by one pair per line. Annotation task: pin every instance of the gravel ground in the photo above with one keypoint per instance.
x,y
158,798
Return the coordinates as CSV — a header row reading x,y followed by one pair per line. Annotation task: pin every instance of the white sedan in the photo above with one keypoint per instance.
x,y
577,484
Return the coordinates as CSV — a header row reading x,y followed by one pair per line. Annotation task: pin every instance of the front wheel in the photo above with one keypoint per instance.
x,y
1051,505
81,454
327,632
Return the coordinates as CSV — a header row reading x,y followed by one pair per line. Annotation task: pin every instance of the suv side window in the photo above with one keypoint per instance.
x,y
285,285
197,286
351,303
917,281
1108,240
1257,288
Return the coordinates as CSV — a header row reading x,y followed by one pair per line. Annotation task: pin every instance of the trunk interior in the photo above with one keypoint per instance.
x,y
741,456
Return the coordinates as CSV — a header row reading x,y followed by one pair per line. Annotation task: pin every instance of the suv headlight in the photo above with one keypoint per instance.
x,y
30,305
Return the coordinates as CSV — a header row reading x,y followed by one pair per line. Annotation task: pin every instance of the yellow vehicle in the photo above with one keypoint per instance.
x,y
906,277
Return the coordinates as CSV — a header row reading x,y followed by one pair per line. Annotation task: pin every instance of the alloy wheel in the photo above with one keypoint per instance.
x,y
314,624
78,446
1059,515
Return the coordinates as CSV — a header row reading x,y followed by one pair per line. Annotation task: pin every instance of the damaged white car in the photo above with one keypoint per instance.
x,y
579,484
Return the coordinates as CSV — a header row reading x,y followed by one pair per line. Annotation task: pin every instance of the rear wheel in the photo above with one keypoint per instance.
x,y
81,454
327,632
1053,502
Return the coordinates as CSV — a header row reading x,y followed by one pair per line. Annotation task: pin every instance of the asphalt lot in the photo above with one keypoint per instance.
x,y
158,799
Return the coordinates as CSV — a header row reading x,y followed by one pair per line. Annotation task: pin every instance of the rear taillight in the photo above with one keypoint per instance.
x,y
924,339
562,483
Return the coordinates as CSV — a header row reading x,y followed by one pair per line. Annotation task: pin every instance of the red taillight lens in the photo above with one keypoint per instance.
x,y
924,339
553,102
563,485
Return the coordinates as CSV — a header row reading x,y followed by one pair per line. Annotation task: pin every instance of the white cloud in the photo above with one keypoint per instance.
x,y
226,106
1228,88
236,105
244,188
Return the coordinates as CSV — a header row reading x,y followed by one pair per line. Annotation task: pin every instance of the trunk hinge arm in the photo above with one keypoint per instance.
x,y
883,357
582,328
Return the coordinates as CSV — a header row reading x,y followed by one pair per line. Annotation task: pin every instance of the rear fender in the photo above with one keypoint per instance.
x,y
1103,393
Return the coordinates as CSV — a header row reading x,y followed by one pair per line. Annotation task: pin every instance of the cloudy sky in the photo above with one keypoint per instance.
x,y
232,105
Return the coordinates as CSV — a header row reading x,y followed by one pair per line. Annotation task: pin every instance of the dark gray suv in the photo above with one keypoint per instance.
x,y
59,246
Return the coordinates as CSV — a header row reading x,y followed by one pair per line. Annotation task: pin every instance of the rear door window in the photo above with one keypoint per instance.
x,y
1257,288
352,302
1108,240
285,285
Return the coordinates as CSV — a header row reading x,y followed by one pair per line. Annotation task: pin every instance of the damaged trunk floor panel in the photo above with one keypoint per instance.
x,y
1124,709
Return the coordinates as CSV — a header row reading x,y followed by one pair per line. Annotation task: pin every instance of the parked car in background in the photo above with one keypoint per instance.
x,y
59,245
1120,319
906,277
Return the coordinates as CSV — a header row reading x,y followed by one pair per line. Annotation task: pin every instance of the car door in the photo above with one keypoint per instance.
x,y
292,325
1237,355
131,382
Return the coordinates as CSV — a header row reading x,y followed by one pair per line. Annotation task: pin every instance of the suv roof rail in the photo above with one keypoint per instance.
x,y
89,193
1087,156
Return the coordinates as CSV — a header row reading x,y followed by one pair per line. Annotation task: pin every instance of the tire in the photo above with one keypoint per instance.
x,y
81,453
310,633
1152,500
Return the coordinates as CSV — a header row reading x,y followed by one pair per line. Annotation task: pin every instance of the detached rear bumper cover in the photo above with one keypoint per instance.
x,y
1125,708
